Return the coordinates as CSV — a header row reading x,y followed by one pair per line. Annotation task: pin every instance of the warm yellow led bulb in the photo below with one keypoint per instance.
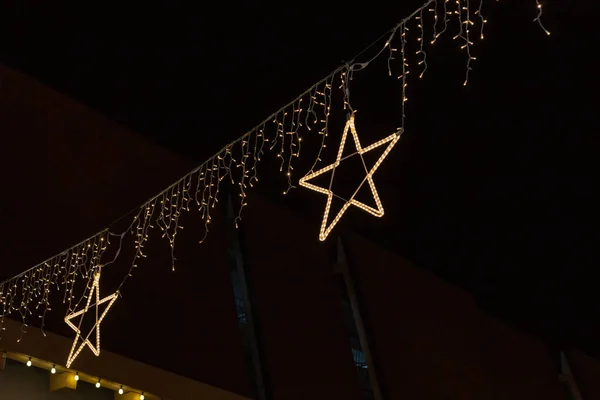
x,y
29,362
98,384
53,370
77,376
121,390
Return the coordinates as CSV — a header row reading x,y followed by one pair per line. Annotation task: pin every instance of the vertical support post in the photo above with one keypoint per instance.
x,y
241,290
342,268
566,376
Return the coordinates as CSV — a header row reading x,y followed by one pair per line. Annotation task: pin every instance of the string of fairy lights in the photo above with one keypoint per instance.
x,y
75,271
71,378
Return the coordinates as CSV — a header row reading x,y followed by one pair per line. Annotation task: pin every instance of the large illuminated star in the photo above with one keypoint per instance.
x,y
79,340
378,212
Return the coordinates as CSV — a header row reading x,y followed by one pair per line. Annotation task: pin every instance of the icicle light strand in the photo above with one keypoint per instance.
x,y
71,271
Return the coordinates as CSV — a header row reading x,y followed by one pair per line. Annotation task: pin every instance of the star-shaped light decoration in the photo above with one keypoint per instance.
x,y
378,212
80,342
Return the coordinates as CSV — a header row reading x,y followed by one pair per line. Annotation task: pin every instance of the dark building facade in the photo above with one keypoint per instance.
x,y
265,311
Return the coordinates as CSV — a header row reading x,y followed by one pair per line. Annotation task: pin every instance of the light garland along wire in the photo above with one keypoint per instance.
x,y
78,376
72,270
29,292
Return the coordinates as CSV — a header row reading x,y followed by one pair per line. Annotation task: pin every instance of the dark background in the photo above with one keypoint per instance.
x,y
492,186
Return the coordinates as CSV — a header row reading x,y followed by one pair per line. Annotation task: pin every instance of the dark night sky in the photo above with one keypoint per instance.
x,y
493,185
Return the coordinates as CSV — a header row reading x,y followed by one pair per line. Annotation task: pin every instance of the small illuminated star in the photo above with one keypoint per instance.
x,y
378,212
75,349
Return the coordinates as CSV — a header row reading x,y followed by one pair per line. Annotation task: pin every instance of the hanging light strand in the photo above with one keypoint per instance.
x,y
538,17
445,19
421,40
70,271
482,20
28,293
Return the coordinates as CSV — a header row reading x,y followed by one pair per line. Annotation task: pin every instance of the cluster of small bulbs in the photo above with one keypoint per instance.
x,y
28,294
237,163
98,384
289,120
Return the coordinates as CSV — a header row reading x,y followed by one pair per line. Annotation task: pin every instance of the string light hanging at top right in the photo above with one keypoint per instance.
x,y
27,295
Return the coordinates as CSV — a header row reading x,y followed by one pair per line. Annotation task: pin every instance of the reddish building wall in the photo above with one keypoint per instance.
x,y
433,342
427,333
184,321
586,371
68,172
78,171
430,339
517,365
298,307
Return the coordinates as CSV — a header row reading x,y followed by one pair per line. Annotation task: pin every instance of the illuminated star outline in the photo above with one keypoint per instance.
x,y
378,212
96,350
